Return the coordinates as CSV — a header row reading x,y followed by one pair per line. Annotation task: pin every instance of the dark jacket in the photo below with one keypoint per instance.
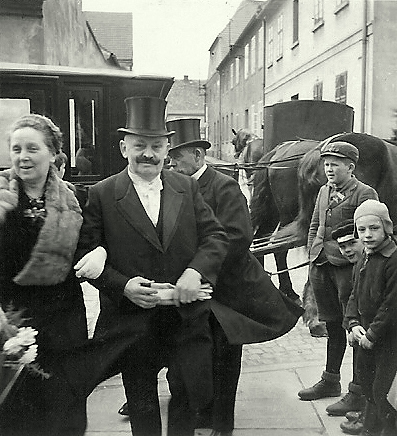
x,y
373,302
327,214
246,303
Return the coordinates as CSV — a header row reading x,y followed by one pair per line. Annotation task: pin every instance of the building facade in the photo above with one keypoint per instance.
x,y
336,50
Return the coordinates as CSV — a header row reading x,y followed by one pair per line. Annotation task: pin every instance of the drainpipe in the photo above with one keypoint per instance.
x,y
220,115
264,85
364,66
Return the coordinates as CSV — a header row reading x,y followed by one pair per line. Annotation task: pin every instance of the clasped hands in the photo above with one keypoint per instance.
x,y
144,292
358,335
148,294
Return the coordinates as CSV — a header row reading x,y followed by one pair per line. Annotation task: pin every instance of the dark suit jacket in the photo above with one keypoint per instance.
x,y
327,215
191,237
246,303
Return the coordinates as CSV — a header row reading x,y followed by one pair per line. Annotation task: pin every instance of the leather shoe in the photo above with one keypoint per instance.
x,y
123,410
328,386
353,427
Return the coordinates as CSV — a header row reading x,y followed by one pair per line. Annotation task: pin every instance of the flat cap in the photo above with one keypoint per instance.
x,y
340,149
343,231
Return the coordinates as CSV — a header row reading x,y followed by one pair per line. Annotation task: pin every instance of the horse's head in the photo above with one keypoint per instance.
x,y
241,137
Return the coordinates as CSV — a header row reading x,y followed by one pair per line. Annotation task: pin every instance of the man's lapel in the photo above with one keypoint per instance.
x,y
129,205
172,202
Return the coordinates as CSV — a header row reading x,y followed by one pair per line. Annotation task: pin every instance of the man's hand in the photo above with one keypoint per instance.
x,y
91,265
366,343
358,332
187,287
350,339
139,291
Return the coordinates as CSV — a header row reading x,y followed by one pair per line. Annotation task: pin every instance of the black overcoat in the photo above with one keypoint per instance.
x,y
246,303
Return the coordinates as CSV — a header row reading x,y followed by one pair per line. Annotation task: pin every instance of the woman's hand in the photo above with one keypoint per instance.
x,y
91,265
9,195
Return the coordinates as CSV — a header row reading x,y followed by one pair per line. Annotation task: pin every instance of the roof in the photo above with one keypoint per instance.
x,y
113,31
227,38
186,97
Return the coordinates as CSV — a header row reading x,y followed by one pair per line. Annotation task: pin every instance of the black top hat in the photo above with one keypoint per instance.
x,y
145,117
187,133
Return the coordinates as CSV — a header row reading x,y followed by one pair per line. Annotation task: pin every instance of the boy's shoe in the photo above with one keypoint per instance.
x,y
353,427
354,400
328,386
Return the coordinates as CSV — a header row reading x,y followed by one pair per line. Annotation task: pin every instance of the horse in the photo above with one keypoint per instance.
x,y
289,194
248,148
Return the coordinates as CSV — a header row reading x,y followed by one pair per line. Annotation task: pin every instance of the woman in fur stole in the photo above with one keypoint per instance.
x,y
40,221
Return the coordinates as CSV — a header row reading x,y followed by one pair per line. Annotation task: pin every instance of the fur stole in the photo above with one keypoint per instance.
x,y
52,256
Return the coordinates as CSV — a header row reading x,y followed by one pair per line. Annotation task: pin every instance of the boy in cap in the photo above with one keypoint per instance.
x,y
371,315
330,272
352,248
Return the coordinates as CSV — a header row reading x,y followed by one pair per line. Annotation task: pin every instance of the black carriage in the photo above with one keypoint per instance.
x,y
88,105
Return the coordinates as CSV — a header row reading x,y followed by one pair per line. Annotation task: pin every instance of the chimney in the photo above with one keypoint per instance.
x,y
186,78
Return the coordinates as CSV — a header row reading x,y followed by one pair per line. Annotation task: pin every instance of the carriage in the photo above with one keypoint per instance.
x,y
87,104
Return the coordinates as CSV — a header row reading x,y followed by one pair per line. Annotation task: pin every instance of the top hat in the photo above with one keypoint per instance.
x,y
340,149
187,133
145,117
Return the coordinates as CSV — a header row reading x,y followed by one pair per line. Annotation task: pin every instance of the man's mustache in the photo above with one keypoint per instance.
x,y
147,160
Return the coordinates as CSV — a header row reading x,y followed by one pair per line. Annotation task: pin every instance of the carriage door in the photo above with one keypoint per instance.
x,y
85,121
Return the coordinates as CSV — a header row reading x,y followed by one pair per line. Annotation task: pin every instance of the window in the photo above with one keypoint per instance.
x,y
227,129
237,71
253,54
295,24
318,13
254,121
341,88
280,37
246,119
260,48
260,118
318,91
246,60
270,47
231,75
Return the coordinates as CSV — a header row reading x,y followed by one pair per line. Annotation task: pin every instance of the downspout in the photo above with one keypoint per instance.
x,y
220,116
364,66
264,85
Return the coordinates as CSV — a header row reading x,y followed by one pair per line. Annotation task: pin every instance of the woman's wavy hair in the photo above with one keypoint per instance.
x,y
52,133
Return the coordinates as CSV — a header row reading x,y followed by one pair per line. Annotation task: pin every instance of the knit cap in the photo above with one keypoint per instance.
x,y
378,209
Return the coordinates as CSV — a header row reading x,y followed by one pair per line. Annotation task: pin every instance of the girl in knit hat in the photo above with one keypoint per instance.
x,y
372,315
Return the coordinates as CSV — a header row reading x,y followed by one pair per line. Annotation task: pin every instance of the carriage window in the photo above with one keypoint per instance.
x,y
83,128
10,109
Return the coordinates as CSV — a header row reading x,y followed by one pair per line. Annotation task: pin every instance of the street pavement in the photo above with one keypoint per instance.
x,y
272,373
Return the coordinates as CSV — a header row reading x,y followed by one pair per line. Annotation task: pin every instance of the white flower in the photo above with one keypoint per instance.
x,y
13,346
26,336
29,355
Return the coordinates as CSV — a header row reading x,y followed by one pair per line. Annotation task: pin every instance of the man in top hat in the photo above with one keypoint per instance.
x,y
246,307
160,236
330,273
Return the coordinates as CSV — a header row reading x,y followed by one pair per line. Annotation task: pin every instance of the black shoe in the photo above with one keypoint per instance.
x,y
328,386
123,410
351,402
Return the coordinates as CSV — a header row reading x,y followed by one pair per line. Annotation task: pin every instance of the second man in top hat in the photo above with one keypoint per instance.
x,y
244,292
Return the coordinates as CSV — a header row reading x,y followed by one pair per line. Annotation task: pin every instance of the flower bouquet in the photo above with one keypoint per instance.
x,y
18,350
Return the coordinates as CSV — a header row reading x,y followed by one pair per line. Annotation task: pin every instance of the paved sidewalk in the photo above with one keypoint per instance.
x,y
267,402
